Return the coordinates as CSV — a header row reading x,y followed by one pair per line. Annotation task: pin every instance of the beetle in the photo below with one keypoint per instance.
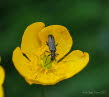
x,y
52,46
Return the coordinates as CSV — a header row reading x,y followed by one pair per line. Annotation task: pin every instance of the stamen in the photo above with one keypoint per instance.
x,y
46,61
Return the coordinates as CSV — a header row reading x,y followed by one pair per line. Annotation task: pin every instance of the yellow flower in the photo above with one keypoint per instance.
x,y
33,59
2,77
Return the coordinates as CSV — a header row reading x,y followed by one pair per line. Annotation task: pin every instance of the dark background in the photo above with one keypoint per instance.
x,y
88,23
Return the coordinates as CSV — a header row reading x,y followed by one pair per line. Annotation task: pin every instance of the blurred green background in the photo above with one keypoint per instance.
x,y
88,23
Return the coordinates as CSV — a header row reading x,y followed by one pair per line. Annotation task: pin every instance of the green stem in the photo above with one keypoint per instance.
x,y
42,91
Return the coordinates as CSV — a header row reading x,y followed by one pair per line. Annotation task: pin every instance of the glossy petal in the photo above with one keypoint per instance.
x,y
36,66
72,63
68,67
2,75
1,92
22,64
30,41
32,71
62,38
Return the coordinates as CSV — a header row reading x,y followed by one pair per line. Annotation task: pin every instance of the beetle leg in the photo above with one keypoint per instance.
x,y
46,43
56,54
47,51
56,44
49,54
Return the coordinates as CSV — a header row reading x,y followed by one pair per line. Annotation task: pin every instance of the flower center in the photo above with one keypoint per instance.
x,y
46,61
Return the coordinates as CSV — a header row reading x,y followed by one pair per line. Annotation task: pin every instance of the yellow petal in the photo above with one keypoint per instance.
x,y
32,73
1,92
45,77
28,69
34,42
62,38
20,62
2,75
30,41
72,64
